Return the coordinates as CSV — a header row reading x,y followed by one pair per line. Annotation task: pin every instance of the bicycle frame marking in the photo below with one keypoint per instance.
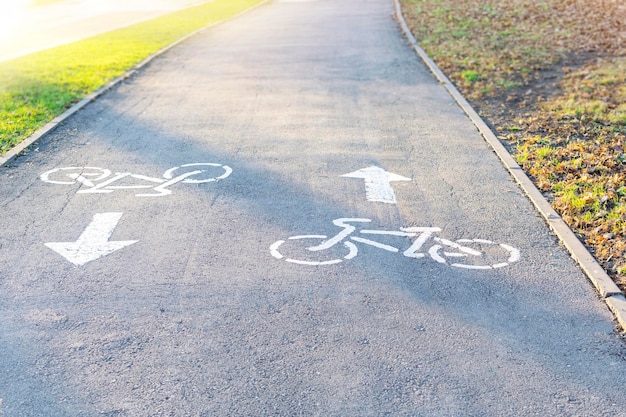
x,y
440,251
96,180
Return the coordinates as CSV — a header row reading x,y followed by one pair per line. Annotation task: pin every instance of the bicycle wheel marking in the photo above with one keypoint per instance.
x,y
274,250
515,253
94,180
468,253
79,176
227,171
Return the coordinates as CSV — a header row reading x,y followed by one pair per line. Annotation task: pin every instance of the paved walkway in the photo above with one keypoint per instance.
x,y
287,215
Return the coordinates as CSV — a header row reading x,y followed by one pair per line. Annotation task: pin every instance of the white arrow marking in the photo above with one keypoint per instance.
x,y
93,243
377,183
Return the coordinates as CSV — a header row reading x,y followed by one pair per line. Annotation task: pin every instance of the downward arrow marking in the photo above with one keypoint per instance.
x,y
377,183
93,243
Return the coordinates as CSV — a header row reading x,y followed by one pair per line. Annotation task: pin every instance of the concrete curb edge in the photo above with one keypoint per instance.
x,y
607,289
57,121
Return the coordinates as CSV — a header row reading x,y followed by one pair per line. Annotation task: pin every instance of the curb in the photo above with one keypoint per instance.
x,y
57,121
607,289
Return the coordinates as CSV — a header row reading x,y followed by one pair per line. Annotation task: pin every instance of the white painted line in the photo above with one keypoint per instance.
x,y
93,243
169,174
472,266
377,183
274,249
433,254
313,263
387,233
459,247
354,251
375,244
515,253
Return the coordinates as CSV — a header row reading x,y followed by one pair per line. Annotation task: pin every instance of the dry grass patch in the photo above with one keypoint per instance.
x,y
550,77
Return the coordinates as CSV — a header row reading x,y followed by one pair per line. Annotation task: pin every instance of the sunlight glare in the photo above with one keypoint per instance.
x,y
12,14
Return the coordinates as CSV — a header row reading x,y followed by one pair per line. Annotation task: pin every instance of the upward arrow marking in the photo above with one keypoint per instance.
x,y
93,243
377,183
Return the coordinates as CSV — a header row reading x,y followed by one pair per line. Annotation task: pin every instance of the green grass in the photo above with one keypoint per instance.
x,y
482,46
470,75
36,88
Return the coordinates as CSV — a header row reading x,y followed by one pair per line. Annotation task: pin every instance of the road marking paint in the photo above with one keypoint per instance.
x,y
94,242
377,183
274,249
472,266
515,253
375,244
443,251
99,181
79,172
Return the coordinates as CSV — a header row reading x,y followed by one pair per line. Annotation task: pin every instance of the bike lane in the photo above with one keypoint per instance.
x,y
181,300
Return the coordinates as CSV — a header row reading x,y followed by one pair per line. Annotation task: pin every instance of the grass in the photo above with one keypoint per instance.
x,y
36,88
436,23
586,129
550,76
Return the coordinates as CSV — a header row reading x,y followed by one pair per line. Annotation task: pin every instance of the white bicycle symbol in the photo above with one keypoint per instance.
x,y
462,253
100,180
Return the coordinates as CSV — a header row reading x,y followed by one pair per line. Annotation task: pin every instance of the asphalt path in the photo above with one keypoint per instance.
x,y
187,297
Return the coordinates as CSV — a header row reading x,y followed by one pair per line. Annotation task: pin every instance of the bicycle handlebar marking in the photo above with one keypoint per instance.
x,y
94,180
462,253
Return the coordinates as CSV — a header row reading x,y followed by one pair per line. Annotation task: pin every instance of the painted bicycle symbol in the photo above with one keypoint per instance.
x,y
100,180
462,253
